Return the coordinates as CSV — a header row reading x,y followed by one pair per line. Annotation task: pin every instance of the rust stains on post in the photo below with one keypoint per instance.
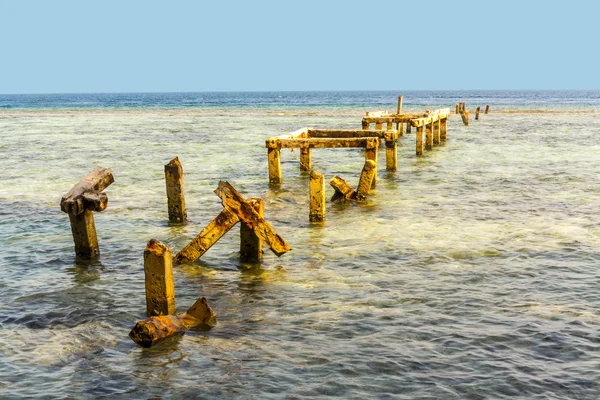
x,y
158,270
317,197
366,178
420,144
443,129
429,136
175,197
391,151
371,154
305,159
250,244
274,160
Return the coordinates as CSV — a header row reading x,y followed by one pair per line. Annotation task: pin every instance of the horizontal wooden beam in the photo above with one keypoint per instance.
x,y
321,143
344,133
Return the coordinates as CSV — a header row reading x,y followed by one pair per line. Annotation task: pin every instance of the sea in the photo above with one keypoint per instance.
x,y
471,272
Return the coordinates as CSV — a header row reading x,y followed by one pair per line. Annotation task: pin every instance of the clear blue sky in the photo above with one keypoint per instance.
x,y
149,46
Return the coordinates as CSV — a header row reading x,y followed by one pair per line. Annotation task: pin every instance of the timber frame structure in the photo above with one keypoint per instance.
x,y
436,123
307,139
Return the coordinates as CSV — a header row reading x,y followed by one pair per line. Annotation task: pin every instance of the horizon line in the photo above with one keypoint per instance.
x,y
301,91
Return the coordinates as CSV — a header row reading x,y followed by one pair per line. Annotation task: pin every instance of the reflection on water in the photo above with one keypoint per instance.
x,y
470,272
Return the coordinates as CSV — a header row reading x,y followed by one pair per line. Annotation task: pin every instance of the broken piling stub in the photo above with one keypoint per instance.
x,y
235,209
154,330
175,197
158,272
80,202
343,191
487,109
317,197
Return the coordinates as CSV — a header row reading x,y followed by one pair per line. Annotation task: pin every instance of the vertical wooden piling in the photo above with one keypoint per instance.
x,y
175,197
158,270
465,117
317,197
436,132
420,146
371,154
378,126
250,244
389,126
408,127
305,159
477,112
86,196
274,159
487,108
391,151
399,125
457,108
365,125
366,179
443,129
429,136
84,234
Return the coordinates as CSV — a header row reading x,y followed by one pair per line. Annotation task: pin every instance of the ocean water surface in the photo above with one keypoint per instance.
x,y
471,272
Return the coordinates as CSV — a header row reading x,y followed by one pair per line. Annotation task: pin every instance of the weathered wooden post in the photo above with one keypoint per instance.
x,y
365,125
158,270
477,112
465,117
487,108
274,159
305,159
250,244
389,125
391,151
436,132
366,179
408,127
371,154
378,126
317,197
343,191
399,125
175,198
429,136
154,330
79,203
444,129
420,146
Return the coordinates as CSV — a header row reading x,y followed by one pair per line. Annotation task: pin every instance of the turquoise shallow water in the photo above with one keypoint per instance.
x,y
471,272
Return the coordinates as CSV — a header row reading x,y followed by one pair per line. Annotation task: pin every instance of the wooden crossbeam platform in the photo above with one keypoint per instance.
x,y
302,139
